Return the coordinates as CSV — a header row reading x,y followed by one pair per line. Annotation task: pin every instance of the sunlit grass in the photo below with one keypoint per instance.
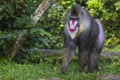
x,y
114,49
43,70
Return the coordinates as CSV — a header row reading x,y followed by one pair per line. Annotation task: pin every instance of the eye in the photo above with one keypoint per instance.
x,y
73,18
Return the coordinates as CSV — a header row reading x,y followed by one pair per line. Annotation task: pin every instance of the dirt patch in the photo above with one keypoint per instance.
x,y
49,79
108,77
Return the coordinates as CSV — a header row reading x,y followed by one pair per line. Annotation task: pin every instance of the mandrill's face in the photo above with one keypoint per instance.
x,y
73,24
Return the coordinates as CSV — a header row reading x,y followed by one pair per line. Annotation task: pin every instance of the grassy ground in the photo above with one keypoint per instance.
x,y
114,49
43,70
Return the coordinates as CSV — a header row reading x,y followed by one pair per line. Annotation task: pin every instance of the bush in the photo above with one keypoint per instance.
x,y
48,31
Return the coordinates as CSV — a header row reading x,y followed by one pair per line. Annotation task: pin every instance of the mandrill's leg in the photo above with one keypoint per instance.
x,y
83,53
93,61
93,58
82,59
67,55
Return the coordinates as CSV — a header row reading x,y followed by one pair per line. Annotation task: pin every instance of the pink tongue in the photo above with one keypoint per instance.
x,y
72,26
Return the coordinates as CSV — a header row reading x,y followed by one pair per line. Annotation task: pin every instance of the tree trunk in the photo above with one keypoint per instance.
x,y
41,10
18,44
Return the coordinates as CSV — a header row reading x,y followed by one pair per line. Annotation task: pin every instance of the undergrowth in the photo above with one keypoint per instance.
x,y
48,69
113,49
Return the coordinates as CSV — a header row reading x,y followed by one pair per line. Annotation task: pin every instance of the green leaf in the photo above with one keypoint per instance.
x,y
42,31
44,41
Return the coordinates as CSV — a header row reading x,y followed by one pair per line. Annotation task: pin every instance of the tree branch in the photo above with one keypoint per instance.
x,y
47,52
41,10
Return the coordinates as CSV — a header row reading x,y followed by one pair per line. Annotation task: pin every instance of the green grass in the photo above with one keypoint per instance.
x,y
114,49
43,70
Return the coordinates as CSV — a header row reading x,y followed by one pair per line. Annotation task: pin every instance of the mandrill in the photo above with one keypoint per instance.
x,y
82,31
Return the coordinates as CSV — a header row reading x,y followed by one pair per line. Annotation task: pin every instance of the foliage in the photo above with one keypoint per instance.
x,y
43,70
113,49
108,15
47,33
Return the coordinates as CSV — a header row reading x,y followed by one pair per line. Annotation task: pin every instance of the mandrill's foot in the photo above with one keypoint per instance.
x,y
92,69
64,69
